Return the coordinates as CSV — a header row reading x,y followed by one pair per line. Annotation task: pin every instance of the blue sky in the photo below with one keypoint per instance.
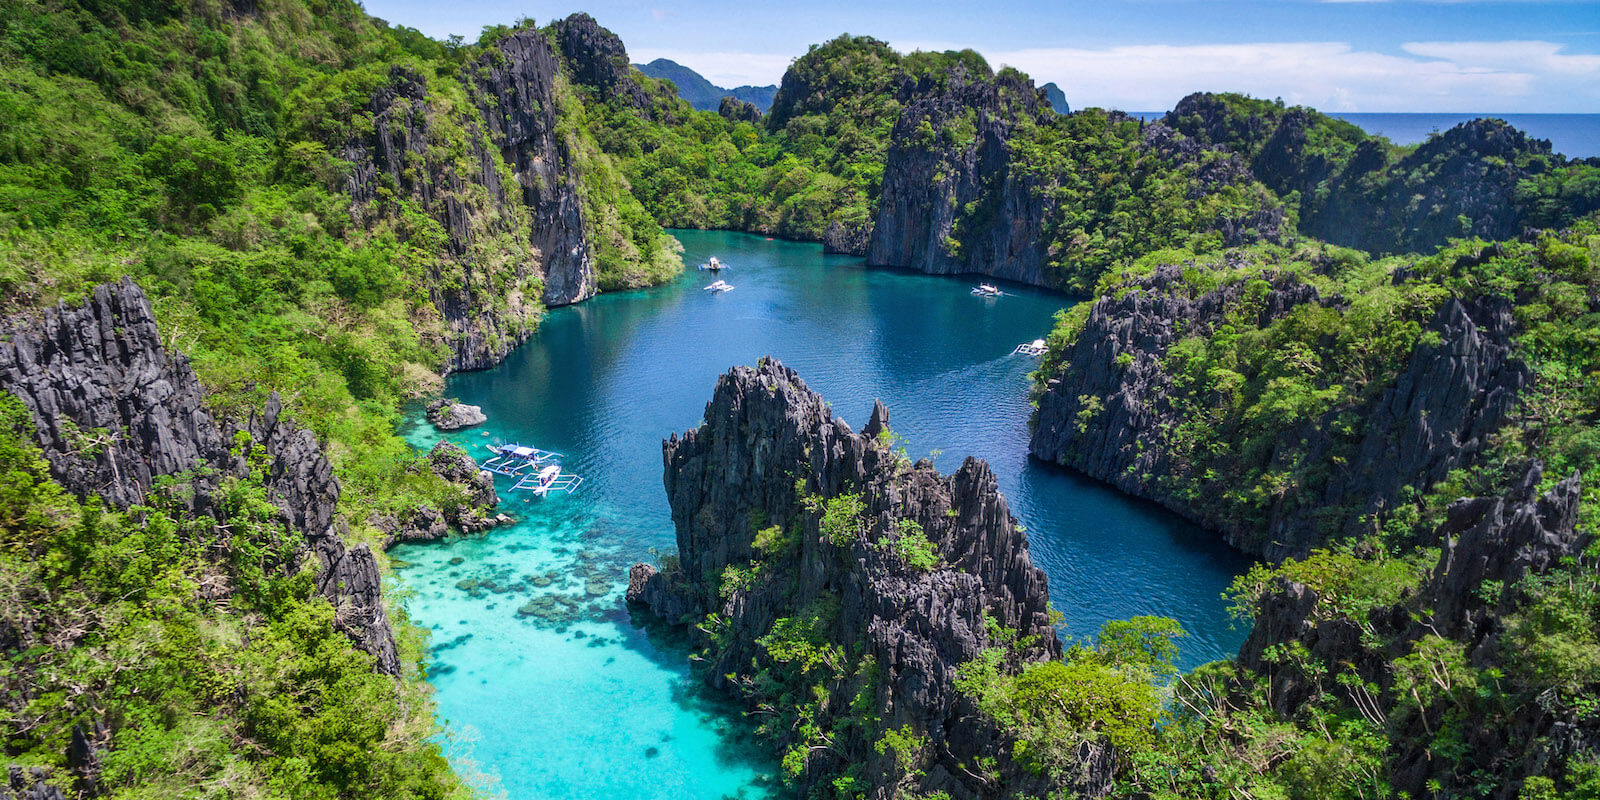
x,y
1355,55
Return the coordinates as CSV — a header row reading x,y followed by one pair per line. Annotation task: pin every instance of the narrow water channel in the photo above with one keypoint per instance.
x,y
550,688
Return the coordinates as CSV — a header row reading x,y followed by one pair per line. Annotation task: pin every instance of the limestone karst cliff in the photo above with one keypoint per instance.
x,y
1474,605
981,176
949,164
796,532
1480,178
498,157
1115,410
115,412
485,282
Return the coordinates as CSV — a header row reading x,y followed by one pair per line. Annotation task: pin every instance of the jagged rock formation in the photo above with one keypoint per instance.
x,y
470,513
84,755
115,411
500,174
745,489
1489,544
1359,191
1111,407
514,89
949,149
516,184
598,59
735,110
960,196
482,285
1472,175
29,784
1496,541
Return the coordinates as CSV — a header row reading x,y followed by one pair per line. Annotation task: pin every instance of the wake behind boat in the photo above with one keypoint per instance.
x,y
719,287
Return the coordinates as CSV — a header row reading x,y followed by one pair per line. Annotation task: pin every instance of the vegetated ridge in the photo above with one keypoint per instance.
x,y
701,93
321,214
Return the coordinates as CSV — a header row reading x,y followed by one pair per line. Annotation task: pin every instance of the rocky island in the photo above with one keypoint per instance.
x,y
839,585
238,238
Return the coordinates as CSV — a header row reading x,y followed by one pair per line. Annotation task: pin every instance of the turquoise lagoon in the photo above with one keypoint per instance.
x,y
550,687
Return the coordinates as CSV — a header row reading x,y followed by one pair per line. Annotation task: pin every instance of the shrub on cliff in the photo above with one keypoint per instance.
x,y
1104,692
1481,178
217,669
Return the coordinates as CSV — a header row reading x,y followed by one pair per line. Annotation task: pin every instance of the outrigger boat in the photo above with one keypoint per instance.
x,y
547,480
719,287
512,459
1033,348
987,290
713,265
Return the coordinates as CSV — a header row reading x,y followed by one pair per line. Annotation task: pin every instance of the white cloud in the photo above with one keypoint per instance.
x,y
1332,76
1540,56
1511,76
722,68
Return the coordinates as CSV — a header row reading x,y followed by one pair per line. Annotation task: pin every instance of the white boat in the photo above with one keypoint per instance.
x,y
1033,348
511,459
713,265
720,286
987,290
549,480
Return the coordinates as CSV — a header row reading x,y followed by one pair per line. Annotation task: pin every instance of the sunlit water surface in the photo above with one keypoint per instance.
x,y
551,689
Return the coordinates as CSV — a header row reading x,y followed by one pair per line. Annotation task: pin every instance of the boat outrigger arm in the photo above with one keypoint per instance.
x,y
513,459
1034,348
548,480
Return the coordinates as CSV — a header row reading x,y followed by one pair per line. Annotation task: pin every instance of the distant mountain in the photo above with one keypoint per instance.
x,y
1057,98
701,93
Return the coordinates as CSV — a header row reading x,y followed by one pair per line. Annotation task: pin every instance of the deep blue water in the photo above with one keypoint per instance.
x,y
613,713
1572,135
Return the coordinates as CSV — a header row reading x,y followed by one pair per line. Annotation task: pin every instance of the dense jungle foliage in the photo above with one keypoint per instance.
x,y
221,674
200,147
1247,392
1481,179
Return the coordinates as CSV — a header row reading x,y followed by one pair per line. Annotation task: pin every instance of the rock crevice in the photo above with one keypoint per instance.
x,y
748,491
1489,544
114,411
1109,411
